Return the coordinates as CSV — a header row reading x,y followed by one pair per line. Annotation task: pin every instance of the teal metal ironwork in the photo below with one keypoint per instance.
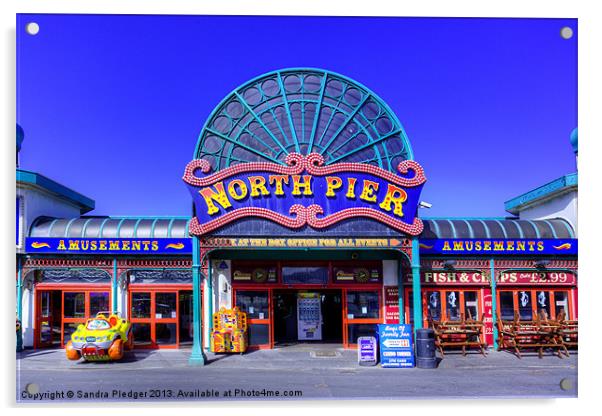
x,y
197,356
19,303
493,301
115,286
303,110
210,293
416,289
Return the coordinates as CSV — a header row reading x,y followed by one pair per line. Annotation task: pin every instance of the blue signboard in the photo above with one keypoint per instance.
x,y
524,246
305,192
112,246
366,351
396,347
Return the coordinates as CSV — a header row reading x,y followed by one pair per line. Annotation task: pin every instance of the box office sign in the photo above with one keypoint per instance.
x,y
499,246
450,278
305,192
113,246
537,278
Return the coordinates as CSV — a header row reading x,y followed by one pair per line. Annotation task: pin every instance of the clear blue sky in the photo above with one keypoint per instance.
x,y
112,105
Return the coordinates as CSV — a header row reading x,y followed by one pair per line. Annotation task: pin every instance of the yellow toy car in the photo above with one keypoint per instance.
x,y
101,339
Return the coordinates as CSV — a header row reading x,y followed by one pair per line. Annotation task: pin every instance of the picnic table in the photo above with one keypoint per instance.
x,y
463,333
538,334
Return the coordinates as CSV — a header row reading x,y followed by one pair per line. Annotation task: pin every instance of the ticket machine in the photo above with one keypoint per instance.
x,y
309,316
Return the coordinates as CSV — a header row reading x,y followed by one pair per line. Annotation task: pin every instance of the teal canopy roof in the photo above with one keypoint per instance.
x,y
496,228
177,227
111,227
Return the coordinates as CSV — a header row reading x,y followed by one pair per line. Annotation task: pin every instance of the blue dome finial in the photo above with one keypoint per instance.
x,y
20,137
574,141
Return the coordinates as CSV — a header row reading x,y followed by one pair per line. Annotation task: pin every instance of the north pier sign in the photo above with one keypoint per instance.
x,y
305,192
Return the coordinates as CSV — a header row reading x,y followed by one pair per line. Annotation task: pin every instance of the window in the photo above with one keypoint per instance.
x,y
141,304
165,306
75,305
507,305
452,305
254,303
525,308
305,275
562,303
543,302
362,305
433,299
362,314
471,305
99,302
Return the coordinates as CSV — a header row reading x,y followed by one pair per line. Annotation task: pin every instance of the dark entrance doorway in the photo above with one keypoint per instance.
x,y
286,316
49,319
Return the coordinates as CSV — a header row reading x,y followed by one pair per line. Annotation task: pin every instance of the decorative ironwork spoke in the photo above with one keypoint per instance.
x,y
271,116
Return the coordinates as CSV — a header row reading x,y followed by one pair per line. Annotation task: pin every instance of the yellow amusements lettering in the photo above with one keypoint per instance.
x,y
493,245
104,245
219,196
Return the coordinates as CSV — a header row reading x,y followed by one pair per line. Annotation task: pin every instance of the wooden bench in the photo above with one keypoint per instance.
x,y
538,335
568,331
464,334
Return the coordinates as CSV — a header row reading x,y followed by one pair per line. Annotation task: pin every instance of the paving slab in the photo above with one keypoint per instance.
x,y
289,374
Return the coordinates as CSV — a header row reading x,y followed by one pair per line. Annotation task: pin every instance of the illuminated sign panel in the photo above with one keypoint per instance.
x,y
108,245
305,192
499,246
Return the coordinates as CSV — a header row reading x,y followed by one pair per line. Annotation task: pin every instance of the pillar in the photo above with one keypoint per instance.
x,y
19,303
197,357
493,302
417,290
115,288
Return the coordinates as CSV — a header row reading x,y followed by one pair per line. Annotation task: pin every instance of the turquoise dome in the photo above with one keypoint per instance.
x,y
574,139
20,137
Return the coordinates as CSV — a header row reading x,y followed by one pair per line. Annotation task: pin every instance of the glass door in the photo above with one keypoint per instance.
x,y
48,330
362,314
78,306
257,305
154,317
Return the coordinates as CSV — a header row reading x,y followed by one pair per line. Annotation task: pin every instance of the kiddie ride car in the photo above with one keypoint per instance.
x,y
101,339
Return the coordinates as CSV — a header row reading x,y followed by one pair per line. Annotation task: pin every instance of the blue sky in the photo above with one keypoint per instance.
x,y
112,105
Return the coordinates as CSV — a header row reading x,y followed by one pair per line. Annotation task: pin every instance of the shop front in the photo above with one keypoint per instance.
x,y
62,307
289,302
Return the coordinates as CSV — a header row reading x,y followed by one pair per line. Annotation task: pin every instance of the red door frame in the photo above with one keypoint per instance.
x,y
343,288
153,289
331,285
44,287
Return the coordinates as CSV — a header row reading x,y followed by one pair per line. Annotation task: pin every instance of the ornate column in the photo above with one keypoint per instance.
x,y
197,357
416,286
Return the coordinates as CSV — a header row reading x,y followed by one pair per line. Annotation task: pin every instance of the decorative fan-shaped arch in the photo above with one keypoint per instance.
x,y
303,111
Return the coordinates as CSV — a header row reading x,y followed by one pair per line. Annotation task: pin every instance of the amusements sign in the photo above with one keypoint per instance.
x,y
396,348
113,246
499,246
305,193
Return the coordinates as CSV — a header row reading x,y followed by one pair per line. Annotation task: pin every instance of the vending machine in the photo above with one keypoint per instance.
x,y
309,316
